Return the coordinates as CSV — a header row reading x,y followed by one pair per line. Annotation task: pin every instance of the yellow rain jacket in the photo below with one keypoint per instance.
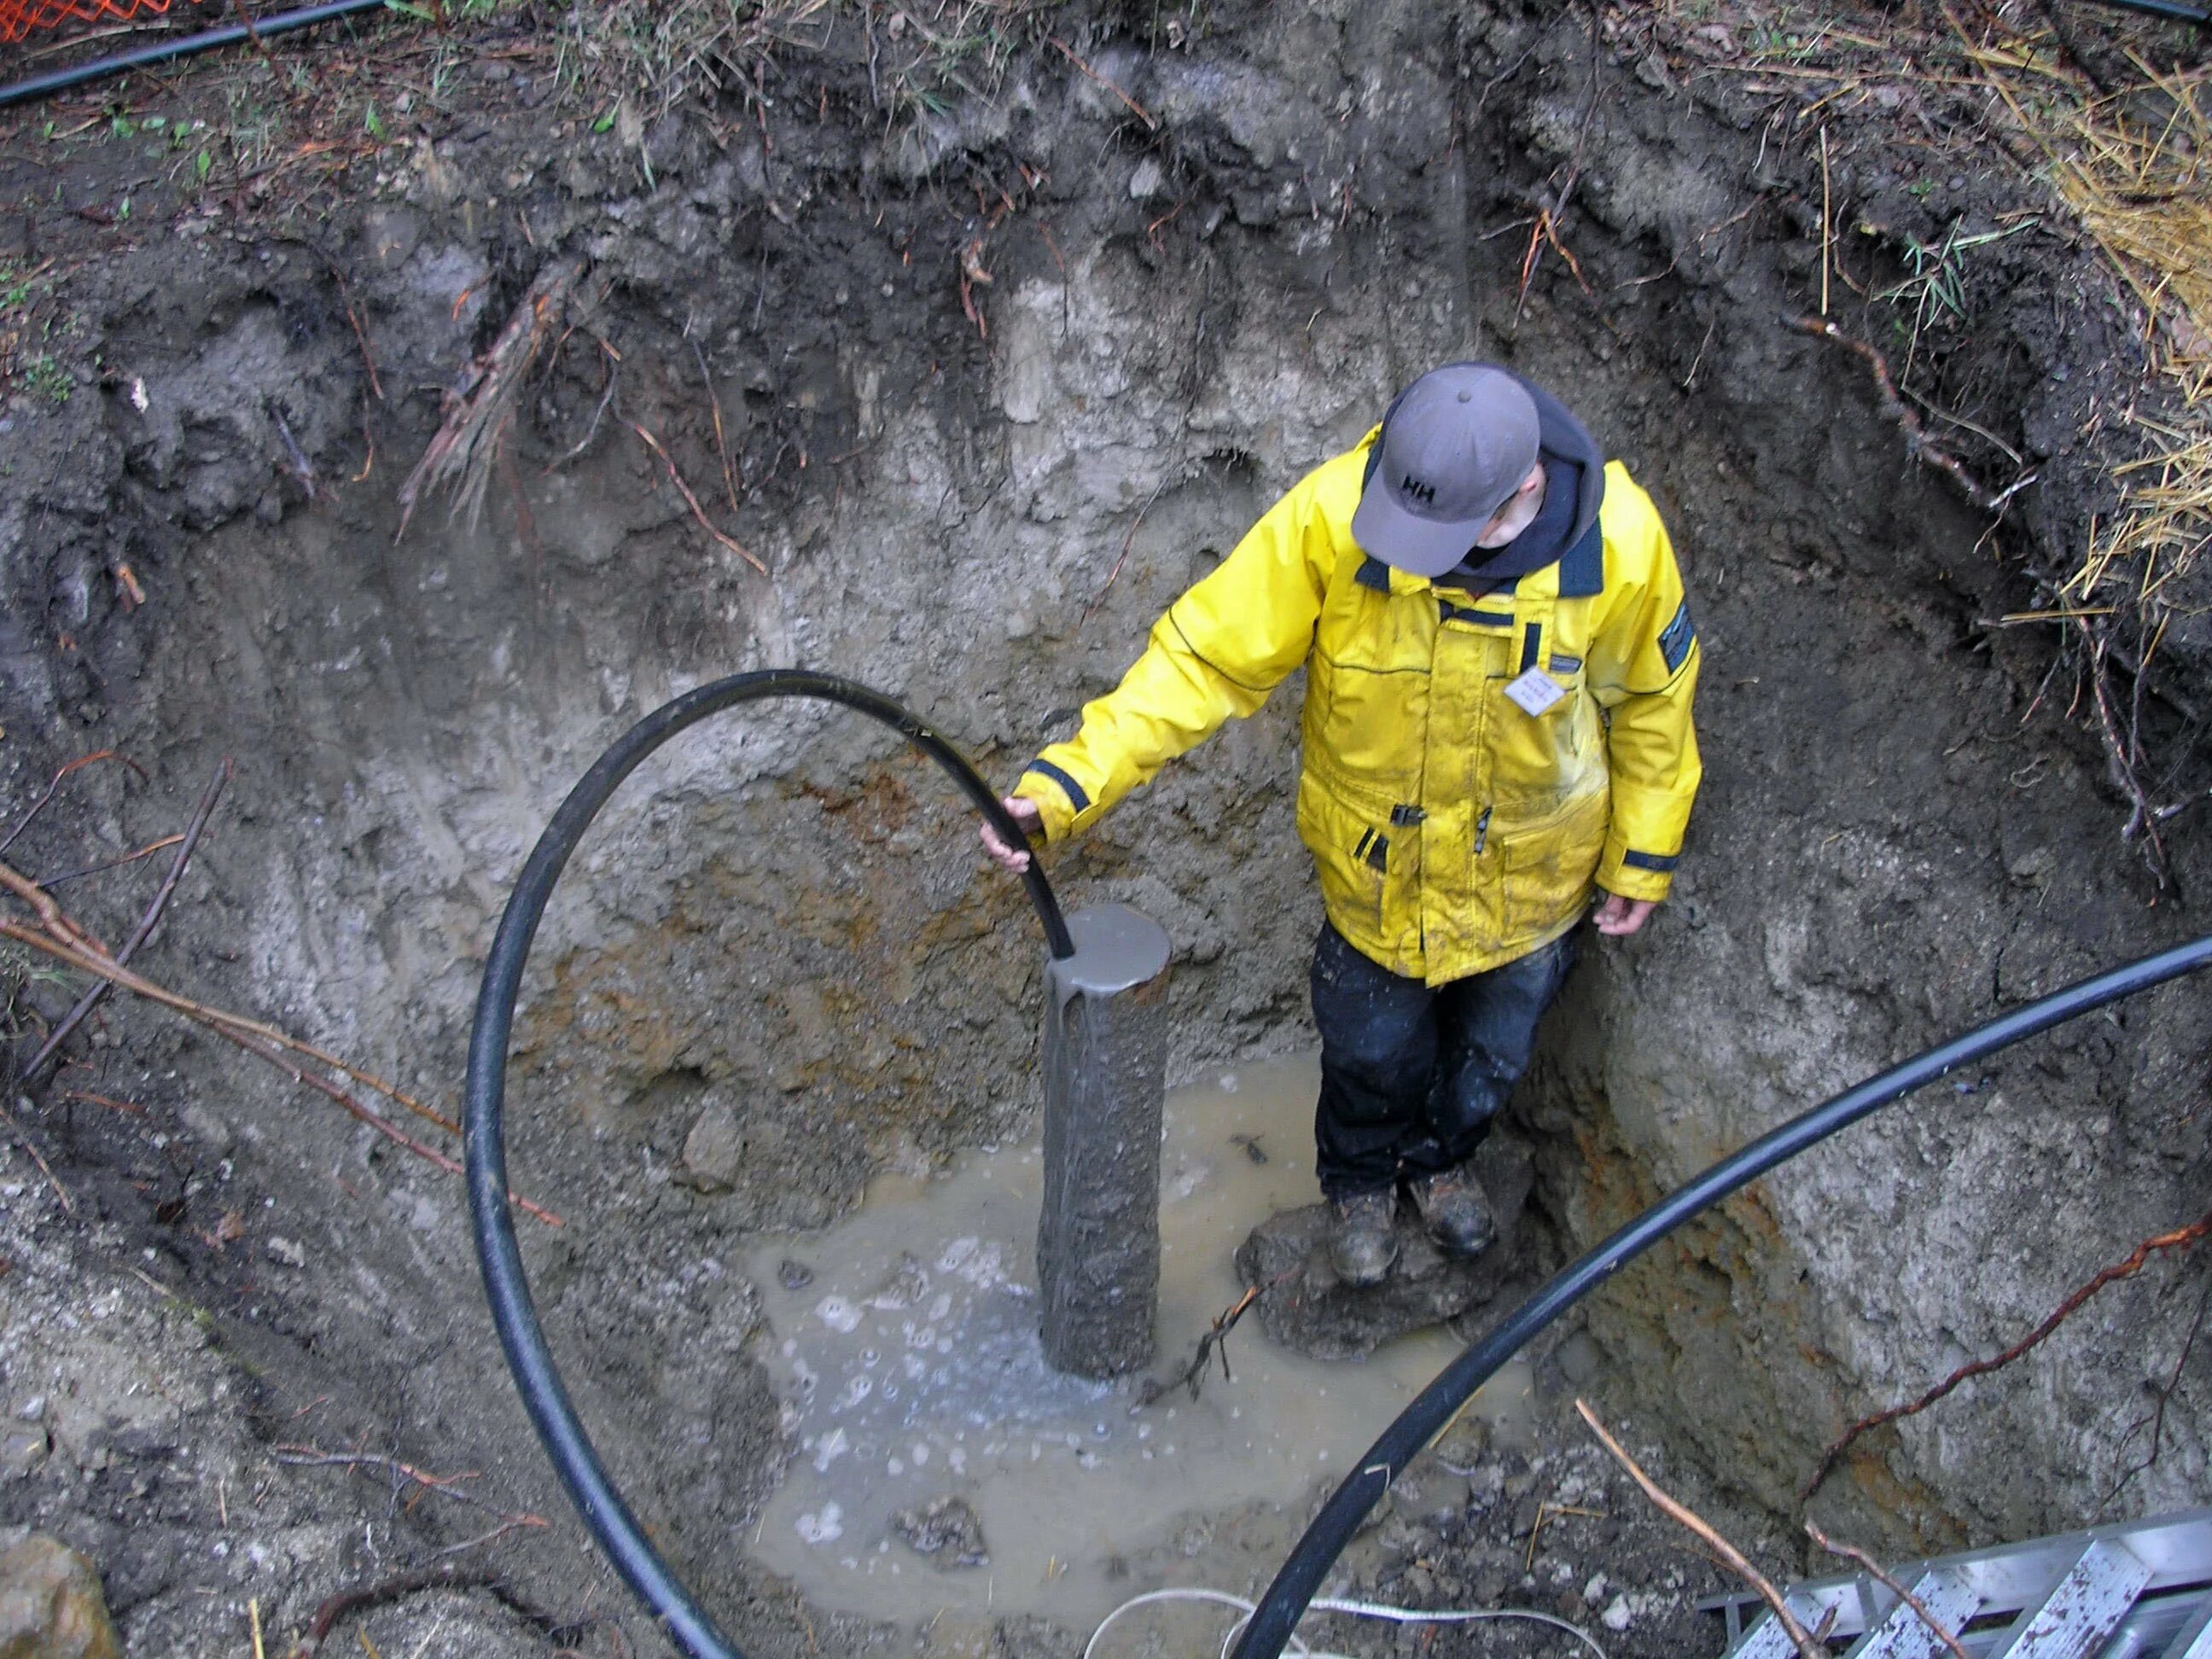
x,y
1452,830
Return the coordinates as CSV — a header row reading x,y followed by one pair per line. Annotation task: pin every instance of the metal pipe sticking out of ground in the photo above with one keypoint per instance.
x,y
1105,1063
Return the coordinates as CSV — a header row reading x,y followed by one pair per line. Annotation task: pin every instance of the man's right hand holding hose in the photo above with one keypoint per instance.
x,y
1025,813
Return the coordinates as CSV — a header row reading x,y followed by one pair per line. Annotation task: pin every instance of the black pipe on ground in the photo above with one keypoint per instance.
x,y
284,22
1300,1573
608,1518
2172,10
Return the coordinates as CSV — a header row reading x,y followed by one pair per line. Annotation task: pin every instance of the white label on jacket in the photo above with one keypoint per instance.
x,y
1536,691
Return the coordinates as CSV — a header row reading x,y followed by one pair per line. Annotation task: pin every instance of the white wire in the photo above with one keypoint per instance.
x,y
1408,1616
1221,1597
1354,1609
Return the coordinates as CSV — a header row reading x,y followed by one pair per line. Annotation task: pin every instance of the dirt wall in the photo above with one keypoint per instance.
x,y
778,965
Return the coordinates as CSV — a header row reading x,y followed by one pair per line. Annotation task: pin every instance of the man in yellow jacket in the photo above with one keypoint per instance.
x,y
1500,662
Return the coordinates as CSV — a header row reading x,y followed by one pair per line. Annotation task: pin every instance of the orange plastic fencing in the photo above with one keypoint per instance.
x,y
19,18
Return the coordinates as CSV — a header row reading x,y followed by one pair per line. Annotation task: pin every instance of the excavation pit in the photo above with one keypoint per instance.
x,y
781,976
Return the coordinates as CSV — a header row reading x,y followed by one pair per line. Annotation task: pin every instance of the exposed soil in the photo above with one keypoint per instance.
x,y
1213,248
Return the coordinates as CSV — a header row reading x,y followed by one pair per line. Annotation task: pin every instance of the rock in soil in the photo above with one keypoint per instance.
x,y
1306,1307
50,1603
946,1529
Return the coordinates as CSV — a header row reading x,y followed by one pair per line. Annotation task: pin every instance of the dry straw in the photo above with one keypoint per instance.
x,y
2132,164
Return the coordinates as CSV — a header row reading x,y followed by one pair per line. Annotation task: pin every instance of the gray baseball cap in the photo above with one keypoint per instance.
x,y
1454,446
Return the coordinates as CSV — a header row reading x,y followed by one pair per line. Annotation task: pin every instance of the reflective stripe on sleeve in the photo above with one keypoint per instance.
x,y
1077,796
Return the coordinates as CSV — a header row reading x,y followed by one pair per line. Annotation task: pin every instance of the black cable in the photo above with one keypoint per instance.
x,y
1286,1602
508,1290
42,85
2172,10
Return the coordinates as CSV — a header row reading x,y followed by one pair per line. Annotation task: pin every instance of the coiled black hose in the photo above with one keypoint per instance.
x,y
1286,1600
608,1519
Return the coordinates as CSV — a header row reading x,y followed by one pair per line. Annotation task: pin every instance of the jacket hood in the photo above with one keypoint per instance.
x,y
1561,434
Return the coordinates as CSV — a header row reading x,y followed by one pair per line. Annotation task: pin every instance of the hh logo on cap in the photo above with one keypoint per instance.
x,y
1426,493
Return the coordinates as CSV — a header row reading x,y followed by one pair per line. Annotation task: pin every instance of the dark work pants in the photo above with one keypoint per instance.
x,y
1411,1076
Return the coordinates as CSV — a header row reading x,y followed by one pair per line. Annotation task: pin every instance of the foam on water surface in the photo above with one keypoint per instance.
x,y
910,1367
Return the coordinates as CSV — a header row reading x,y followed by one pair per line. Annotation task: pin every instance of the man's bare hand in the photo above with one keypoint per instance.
x,y
1025,813
1618,917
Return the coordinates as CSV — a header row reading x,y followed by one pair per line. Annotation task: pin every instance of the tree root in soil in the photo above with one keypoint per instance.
x,y
403,1474
2179,1238
1808,1646
2121,754
460,457
346,1603
59,937
1917,443
54,784
1866,1564
144,931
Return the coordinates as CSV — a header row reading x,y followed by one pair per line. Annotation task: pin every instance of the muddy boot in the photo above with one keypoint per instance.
x,y
1455,1211
1362,1245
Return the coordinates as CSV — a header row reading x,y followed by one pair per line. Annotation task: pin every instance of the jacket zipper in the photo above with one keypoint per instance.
x,y
1481,831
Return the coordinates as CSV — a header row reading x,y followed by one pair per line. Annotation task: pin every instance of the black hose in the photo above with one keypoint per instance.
x,y
1285,1603
43,86
506,1289
2174,10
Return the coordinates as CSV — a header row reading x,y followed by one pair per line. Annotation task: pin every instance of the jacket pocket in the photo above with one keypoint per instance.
x,y
1347,858
1362,725
1547,867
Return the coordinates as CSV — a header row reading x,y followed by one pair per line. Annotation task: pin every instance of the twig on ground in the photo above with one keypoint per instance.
x,y
46,1169
729,543
146,852
477,411
130,1107
360,334
68,943
1548,216
606,397
46,796
1827,221
2143,819
295,458
714,406
147,923
1917,444
1548,1512
1214,1342
2156,1420
1682,1515
2177,1239
99,963
483,1538
447,1486
1068,52
1867,1563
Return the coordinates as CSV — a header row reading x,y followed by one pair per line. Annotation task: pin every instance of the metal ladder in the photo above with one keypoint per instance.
x,y
2138,1590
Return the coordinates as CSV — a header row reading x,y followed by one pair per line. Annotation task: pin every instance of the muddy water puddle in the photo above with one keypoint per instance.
x,y
907,1360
